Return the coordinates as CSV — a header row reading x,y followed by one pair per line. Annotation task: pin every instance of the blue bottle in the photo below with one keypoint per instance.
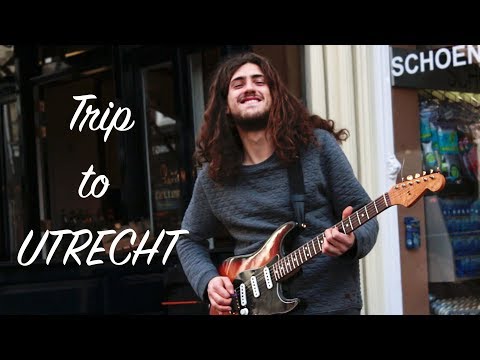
x,y
412,232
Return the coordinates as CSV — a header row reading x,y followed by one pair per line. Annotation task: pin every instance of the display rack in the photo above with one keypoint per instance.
x,y
450,124
453,240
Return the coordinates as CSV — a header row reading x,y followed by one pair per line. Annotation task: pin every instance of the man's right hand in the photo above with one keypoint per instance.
x,y
220,290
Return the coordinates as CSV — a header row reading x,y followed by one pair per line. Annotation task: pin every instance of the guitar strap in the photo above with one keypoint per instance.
x,y
297,190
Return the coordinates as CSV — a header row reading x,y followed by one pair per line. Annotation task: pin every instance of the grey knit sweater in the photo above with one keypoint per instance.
x,y
258,203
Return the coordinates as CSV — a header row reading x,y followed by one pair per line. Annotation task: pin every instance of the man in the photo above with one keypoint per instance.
x,y
253,129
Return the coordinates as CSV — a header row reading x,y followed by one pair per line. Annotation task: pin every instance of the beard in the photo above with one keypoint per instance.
x,y
255,122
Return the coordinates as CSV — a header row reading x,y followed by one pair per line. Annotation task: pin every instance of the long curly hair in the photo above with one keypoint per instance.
x,y
290,124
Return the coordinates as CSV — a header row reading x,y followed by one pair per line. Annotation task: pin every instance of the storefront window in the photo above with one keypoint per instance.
x,y
162,131
13,168
450,133
440,87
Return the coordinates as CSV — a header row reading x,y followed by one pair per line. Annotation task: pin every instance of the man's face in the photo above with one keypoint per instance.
x,y
249,98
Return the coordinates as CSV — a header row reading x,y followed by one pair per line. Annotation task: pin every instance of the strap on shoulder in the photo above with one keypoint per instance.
x,y
297,190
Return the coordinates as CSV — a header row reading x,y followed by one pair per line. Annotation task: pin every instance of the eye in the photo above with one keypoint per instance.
x,y
237,85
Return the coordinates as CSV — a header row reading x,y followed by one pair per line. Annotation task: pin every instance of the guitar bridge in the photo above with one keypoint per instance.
x,y
235,303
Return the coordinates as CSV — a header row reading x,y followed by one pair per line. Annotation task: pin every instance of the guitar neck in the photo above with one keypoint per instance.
x,y
304,253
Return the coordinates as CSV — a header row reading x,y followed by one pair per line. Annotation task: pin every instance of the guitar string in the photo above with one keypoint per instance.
x,y
370,208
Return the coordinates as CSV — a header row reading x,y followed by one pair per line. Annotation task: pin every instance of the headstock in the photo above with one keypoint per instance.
x,y
409,192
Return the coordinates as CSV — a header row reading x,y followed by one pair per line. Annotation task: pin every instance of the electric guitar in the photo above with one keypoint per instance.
x,y
257,277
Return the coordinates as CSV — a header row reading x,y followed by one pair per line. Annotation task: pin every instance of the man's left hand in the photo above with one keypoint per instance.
x,y
336,242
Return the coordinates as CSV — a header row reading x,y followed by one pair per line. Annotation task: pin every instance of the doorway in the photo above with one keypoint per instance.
x,y
63,154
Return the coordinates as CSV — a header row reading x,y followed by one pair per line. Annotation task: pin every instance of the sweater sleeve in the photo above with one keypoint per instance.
x,y
346,190
192,248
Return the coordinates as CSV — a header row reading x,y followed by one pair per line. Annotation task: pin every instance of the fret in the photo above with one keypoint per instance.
x,y
275,271
358,217
293,262
366,212
308,248
281,269
375,204
300,255
320,242
304,253
319,246
352,221
290,258
343,227
295,252
313,243
384,198
287,264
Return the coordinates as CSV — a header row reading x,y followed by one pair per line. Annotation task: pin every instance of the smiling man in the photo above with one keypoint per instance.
x,y
253,130
249,99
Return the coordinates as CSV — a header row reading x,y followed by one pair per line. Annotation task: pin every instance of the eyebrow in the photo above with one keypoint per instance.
x,y
255,76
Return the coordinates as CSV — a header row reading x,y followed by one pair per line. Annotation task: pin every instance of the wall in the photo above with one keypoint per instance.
x,y
407,149
350,84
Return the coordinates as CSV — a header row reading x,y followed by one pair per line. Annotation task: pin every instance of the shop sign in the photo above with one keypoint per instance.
x,y
449,68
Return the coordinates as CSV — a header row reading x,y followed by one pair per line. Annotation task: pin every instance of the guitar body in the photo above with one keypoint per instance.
x,y
268,300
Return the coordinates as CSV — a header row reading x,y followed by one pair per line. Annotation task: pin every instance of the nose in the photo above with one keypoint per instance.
x,y
250,85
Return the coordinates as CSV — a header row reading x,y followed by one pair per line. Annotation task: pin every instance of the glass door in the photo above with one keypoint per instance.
x,y
450,134
173,83
12,224
166,172
64,154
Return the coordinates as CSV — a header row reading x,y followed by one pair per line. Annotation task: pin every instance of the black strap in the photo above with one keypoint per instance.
x,y
297,190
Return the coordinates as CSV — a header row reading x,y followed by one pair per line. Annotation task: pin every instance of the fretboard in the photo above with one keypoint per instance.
x,y
301,255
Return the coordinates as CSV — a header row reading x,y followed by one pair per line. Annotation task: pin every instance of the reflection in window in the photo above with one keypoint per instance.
x,y
162,134
449,138
197,86
11,127
7,66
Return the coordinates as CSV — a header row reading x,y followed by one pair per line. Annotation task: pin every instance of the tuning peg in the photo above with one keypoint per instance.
x,y
417,176
424,173
438,169
431,171
403,179
409,177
